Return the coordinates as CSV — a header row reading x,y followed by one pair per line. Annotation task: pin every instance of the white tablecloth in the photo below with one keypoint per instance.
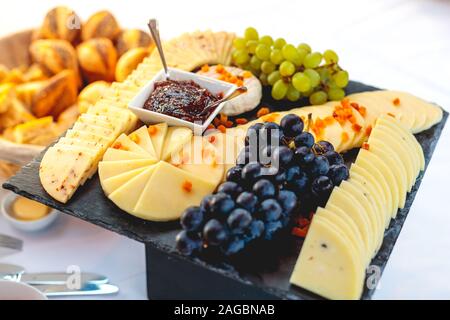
x,y
391,43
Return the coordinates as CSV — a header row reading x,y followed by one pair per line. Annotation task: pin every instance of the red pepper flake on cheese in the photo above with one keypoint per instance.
x,y
368,130
211,139
222,128
356,127
241,121
344,136
187,186
262,112
396,102
119,146
365,146
391,115
152,130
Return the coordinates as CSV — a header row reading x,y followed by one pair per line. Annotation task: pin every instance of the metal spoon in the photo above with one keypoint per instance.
x,y
153,26
233,94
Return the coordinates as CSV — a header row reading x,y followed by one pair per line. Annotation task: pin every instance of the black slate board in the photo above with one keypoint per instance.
x,y
270,277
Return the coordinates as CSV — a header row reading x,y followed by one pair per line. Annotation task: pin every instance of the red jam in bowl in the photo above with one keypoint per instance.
x,y
184,100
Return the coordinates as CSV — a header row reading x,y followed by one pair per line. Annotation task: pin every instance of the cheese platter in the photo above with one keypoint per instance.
x,y
297,189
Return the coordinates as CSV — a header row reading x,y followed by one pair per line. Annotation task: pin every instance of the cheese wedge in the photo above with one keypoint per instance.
x,y
175,139
123,142
119,155
326,265
344,228
108,169
199,158
111,184
168,192
62,170
142,138
393,162
157,135
369,210
342,199
126,196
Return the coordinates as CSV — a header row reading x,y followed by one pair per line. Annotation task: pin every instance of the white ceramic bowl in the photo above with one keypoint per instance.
x,y
149,117
10,290
32,225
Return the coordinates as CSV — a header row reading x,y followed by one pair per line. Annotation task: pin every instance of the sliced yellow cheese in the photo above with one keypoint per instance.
x,y
400,149
104,120
375,165
344,228
342,199
368,210
175,139
119,155
62,170
86,136
142,138
100,131
168,192
199,158
123,142
108,169
405,135
126,196
393,162
158,134
327,266
111,184
107,109
373,188
102,144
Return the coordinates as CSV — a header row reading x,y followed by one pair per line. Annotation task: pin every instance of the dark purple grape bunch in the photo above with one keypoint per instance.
x,y
281,169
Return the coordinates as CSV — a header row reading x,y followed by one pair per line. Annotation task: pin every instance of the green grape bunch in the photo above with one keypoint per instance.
x,y
292,72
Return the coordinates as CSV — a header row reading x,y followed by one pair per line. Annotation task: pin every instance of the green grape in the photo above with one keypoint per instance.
x,y
279,89
304,46
301,82
292,93
308,93
276,56
273,77
324,73
267,40
251,34
251,46
279,43
239,43
263,79
319,97
241,57
312,60
289,52
330,56
262,52
267,67
341,78
313,75
287,68
302,53
336,94
255,63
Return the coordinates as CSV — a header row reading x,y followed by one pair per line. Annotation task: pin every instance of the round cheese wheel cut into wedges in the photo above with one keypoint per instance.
x,y
111,184
327,266
342,225
108,169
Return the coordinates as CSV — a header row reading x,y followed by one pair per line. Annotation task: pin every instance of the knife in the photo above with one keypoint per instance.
x,y
88,289
60,278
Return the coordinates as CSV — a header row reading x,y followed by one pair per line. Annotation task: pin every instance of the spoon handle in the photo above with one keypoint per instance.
x,y
236,92
153,26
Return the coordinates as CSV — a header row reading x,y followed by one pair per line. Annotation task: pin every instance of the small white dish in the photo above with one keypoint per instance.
x,y
24,225
11,290
150,117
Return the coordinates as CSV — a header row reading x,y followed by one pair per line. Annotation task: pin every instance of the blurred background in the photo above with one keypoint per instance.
x,y
394,44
